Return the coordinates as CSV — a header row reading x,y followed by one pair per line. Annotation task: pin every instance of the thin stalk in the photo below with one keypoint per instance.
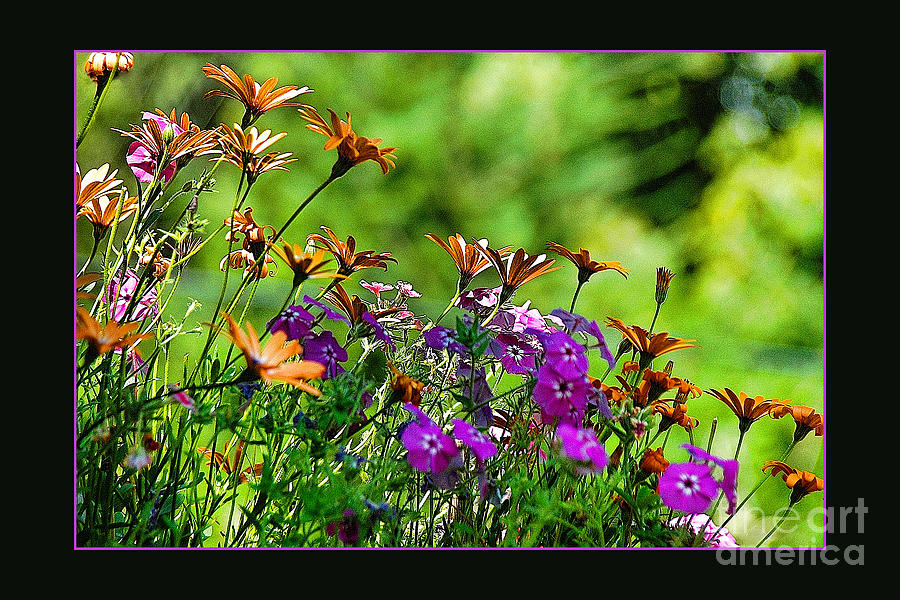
x,y
575,297
99,95
777,525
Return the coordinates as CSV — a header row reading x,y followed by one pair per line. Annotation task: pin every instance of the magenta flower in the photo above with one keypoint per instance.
x,y
429,449
479,300
715,536
325,349
143,163
523,317
477,387
147,306
688,487
294,321
729,473
481,445
567,356
515,353
185,400
557,395
581,446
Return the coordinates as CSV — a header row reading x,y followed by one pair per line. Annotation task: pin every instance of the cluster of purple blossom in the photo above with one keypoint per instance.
x,y
322,347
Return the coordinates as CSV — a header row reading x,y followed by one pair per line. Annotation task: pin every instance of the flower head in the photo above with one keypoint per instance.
x,y
581,446
481,445
467,257
688,487
305,265
586,266
663,279
748,410
515,270
102,211
324,348
806,418
120,292
729,467
269,363
676,414
654,461
246,150
103,338
352,149
406,388
560,396
346,528
295,321
257,99
100,64
565,355
222,462
376,287
428,448
649,346
717,537
95,185
158,146
799,482
578,324
441,338
516,354
349,260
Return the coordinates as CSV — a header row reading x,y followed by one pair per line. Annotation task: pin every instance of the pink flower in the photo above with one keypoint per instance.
x,y
581,445
717,537
406,290
729,473
428,448
122,295
558,395
185,400
376,287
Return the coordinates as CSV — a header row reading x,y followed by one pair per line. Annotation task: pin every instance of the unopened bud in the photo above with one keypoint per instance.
x,y
100,64
663,278
168,134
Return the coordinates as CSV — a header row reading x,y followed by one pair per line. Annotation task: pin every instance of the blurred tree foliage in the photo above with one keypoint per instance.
x,y
708,163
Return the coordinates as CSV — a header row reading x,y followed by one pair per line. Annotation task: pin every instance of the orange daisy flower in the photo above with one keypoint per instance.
x,y
515,270
582,260
257,99
305,265
408,389
268,363
101,212
103,338
352,149
676,414
223,464
806,418
799,482
245,150
354,307
468,259
82,282
96,183
349,260
654,461
748,410
181,148
649,346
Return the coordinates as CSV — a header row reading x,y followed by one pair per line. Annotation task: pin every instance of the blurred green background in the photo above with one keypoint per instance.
x,y
710,164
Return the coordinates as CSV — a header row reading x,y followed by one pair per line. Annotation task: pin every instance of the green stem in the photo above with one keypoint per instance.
x,y
102,88
575,297
777,525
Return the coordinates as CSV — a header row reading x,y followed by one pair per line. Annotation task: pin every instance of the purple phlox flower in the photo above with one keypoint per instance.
x,y
406,290
481,445
441,338
183,399
325,349
334,316
515,353
729,473
376,287
688,487
581,445
575,323
567,356
379,330
294,321
479,299
346,528
717,537
428,448
477,387
146,306
557,394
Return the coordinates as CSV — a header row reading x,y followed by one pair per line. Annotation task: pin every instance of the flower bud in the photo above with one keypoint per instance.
x,y
101,64
168,134
663,278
